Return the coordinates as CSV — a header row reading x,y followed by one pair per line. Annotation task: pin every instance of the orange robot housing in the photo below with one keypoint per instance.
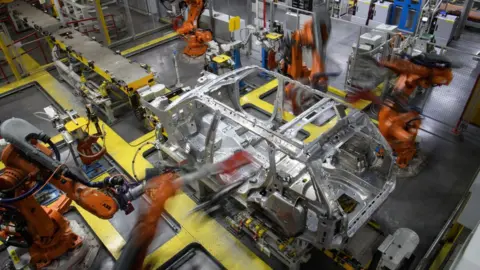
x,y
296,68
400,128
412,75
50,233
196,38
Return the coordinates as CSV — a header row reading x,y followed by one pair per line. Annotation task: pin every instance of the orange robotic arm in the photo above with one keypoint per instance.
x,y
159,189
91,199
50,234
413,75
400,128
196,38
317,76
191,24
28,168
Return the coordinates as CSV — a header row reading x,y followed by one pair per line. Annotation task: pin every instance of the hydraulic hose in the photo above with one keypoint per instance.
x,y
78,177
54,149
21,182
22,196
46,139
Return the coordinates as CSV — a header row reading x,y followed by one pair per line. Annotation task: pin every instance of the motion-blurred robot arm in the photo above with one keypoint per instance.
x,y
196,38
195,8
424,70
397,123
160,189
321,34
314,34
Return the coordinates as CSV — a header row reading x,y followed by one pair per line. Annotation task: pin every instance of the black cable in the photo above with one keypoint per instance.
x,y
412,120
78,177
14,243
182,5
54,149
163,4
16,185
46,139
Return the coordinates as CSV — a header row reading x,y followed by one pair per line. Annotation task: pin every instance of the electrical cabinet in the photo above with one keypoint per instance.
x,y
406,13
382,11
363,6
302,4
444,29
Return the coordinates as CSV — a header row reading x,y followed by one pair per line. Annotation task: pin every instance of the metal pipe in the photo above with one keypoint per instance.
x,y
264,14
8,57
249,22
71,74
58,8
101,20
22,38
82,20
212,18
30,42
41,48
257,10
419,22
131,29
320,192
178,83
18,56
272,14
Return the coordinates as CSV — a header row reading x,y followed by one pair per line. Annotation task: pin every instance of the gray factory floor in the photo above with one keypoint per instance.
x,y
422,203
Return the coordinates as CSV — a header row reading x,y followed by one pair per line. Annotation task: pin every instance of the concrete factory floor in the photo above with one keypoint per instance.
x,y
422,203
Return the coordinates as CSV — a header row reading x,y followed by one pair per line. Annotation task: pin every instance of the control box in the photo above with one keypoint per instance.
x,y
303,4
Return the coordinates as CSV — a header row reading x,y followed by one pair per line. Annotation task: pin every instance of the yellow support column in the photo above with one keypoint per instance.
x,y
8,57
103,24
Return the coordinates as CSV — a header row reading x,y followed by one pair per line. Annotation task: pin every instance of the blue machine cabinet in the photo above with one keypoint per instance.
x,y
405,14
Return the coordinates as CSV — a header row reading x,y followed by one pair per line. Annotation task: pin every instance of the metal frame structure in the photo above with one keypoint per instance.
x,y
295,185
8,57
115,69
